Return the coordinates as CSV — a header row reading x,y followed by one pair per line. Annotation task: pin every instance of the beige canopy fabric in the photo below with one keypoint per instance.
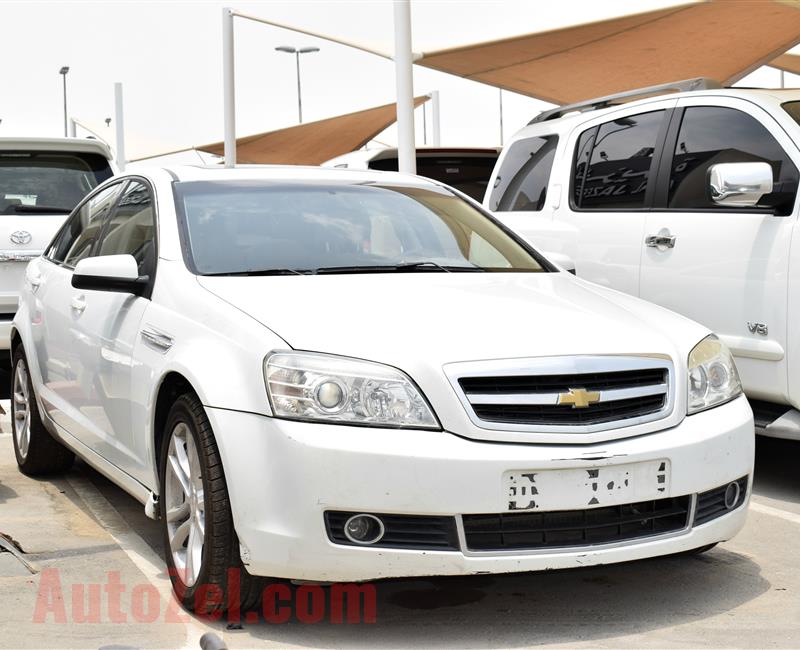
x,y
787,62
314,142
719,39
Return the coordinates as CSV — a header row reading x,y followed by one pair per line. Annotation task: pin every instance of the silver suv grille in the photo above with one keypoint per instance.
x,y
565,393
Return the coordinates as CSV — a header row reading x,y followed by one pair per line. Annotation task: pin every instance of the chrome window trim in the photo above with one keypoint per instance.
x,y
561,365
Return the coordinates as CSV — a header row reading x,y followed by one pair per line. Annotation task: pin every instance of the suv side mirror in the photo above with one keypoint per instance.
x,y
739,185
109,273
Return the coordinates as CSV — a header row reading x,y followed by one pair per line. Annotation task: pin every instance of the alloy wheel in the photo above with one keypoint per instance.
x,y
185,504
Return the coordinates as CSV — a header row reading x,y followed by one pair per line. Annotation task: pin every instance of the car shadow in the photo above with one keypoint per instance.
x,y
565,606
776,474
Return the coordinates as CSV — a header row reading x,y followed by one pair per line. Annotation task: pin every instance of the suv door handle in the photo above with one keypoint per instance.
x,y
659,241
78,304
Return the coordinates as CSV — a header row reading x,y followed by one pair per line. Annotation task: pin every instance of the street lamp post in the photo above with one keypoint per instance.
x,y
297,52
63,72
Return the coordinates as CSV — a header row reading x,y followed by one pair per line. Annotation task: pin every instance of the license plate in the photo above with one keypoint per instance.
x,y
577,489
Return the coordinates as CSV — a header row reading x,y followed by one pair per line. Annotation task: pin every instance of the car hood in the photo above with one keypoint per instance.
x,y
405,319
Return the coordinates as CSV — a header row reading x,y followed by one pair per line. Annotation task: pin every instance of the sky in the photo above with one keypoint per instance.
x,y
168,56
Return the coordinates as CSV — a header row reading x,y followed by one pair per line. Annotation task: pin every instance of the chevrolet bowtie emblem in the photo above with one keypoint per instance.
x,y
580,398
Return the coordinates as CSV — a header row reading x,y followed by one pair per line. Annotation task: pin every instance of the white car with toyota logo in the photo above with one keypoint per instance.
x,y
41,181
337,375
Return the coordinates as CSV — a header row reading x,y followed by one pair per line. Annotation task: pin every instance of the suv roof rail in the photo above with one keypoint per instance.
x,y
698,83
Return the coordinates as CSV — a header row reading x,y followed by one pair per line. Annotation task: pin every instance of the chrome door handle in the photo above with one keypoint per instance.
x,y
656,241
78,304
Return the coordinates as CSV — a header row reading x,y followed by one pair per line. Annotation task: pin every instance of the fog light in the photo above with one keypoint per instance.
x,y
732,495
363,529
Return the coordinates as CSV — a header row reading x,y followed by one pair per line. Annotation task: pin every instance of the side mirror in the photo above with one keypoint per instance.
x,y
109,273
739,185
561,260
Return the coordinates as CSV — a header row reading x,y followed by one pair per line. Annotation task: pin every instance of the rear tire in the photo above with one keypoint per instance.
x,y
36,450
200,544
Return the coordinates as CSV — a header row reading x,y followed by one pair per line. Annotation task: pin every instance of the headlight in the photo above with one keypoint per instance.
x,y
713,378
309,386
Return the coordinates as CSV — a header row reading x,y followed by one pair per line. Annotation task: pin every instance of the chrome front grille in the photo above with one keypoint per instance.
x,y
578,394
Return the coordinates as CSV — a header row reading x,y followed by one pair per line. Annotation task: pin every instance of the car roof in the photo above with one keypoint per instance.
x,y
288,173
774,96
82,145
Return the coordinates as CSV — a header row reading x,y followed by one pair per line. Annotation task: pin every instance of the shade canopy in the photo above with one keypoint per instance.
x,y
720,39
787,62
314,142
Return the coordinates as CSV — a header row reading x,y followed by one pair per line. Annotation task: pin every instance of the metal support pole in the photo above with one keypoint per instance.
x,y
229,100
73,128
120,124
64,76
435,122
783,79
501,117
403,60
299,94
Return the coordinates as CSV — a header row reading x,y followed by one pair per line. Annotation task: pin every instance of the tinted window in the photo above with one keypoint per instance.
x,y
48,179
132,228
468,174
78,235
613,163
521,184
793,108
240,227
714,134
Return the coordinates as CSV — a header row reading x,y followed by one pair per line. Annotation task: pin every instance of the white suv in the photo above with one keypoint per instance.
x,y
336,375
688,200
41,181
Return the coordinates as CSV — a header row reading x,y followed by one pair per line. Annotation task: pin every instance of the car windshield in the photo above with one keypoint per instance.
x,y
259,227
35,182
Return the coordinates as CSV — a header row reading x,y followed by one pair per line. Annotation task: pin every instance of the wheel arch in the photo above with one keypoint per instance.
x,y
172,385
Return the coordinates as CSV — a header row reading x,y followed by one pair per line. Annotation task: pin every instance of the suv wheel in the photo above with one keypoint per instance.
x,y
36,450
200,543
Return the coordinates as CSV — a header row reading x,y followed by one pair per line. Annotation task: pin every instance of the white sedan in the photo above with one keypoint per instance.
x,y
333,375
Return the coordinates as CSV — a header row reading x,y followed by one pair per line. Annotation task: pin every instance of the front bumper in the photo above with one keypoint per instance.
x,y
282,476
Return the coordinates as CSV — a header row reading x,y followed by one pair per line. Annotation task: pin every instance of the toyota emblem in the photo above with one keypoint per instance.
x,y
21,237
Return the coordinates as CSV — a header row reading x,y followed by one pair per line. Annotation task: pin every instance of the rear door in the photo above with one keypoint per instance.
x,y
726,268
612,184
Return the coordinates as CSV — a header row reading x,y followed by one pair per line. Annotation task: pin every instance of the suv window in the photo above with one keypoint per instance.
x,y
32,181
521,183
131,229
613,163
76,238
716,134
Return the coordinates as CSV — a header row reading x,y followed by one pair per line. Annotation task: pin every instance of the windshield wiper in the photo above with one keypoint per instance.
x,y
40,209
398,268
254,273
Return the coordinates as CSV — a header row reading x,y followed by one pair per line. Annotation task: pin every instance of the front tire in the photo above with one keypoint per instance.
x,y
36,450
200,543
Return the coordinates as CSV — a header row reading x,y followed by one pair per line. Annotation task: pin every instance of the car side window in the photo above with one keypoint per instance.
x,y
79,234
614,163
521,183
131,228
717,134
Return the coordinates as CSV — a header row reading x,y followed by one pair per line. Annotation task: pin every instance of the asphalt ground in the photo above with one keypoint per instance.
x,y
82,536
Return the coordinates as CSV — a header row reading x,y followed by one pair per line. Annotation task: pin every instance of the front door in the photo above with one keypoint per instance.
x,y
106,330
726,268
56,312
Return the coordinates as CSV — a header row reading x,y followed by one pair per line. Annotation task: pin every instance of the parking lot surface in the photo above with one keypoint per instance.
x,y
96,580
